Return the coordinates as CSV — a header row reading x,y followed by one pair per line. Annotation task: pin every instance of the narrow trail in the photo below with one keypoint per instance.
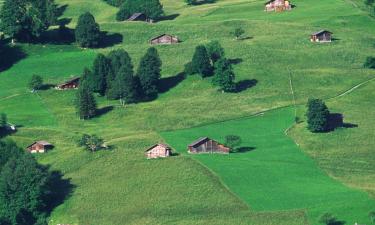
x,y
352,89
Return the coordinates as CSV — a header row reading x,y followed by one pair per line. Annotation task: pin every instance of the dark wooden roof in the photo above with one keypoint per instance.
x,y
269,2
74,79
321,32
199,142
135,16
44,143
160,144
161,36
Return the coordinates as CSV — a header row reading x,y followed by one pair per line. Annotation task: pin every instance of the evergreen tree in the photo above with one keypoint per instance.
x,y
117,59
125,84
8,150
149,73
102,67
87,32
36,82
201,61
3,121
85,102
370,63
369,2
224,76
317,115
27,19
23,185
215,51
151,8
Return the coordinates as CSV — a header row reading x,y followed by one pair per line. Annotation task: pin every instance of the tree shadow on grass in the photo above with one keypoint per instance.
x,y
242,149
59,188
46,87
103,111
337,222
109,40
10,55
202,2
59,36
243,85
169,17
166,84
235,61
4,132
336,120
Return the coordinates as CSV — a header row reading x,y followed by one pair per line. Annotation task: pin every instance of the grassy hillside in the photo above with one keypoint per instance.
x,y
120,185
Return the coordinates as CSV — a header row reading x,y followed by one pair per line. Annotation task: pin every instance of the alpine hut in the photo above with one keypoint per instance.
x,y
158,151
321,36
165,39
39,147
207,145
277,5
138,17
70,84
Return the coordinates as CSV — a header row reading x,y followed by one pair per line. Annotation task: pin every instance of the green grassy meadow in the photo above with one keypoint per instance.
x,y
276,183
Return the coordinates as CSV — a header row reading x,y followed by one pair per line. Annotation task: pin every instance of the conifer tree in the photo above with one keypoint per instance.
x,y
36,82
215,51
87,32
117,59
317,115
125,84
201,61
85,102
3,121
149,73
102,67
224,76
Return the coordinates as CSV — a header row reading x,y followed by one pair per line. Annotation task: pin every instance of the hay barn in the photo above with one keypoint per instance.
x,y
70,84
39,147
158,151
207,145
165,39
277,6
321,36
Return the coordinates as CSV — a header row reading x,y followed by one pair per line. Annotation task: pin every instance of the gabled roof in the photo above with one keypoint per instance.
x,y
159,144
321,32
44,143
199,141
135,16
70,81
162,36
269,2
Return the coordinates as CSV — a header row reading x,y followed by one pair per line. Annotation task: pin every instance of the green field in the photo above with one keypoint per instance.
x,y
276,183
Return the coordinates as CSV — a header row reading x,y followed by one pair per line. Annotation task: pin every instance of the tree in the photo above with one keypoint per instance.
x,y
369,2
102,67
372,216
238,32
191,2
23,187
215,51
85,102
232,141
151,8
149,73
201,61
91,142
224,76
3,121
125,85
117,59
317,115
27,19
327,219
87,32
36,82
370,63
8,150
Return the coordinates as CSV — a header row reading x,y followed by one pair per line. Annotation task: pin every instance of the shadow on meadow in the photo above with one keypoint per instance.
x,y
242,149
10,55
166,84
169,17
336,120
243,85
102,111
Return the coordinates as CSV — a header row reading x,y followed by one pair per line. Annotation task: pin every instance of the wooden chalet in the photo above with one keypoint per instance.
x,y
207,145
138,17
165,39
277,5
321,36
39,147
70,84
158,151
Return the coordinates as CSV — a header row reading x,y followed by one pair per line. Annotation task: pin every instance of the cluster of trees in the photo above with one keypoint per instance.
x,y
25,188
210,60
113,76
153,9
26,20
317,115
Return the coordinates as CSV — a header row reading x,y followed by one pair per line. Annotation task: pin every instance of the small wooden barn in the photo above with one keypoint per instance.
x,y
138,17
207,145
321,36
277,5
165,39
158,151
39,147
70,84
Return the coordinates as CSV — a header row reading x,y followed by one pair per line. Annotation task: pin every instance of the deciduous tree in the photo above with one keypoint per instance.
x,y
91,142
215,51
201,61
36,82
224,76
87,32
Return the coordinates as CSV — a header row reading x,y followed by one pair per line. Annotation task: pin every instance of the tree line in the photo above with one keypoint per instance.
x,y
113,76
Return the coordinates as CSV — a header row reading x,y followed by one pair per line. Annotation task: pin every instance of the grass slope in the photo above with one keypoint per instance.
x,y
274,174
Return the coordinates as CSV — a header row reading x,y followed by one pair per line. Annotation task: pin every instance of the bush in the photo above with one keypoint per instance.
x,y
327,219
87,32
232,141
36,82
370,63
91,142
